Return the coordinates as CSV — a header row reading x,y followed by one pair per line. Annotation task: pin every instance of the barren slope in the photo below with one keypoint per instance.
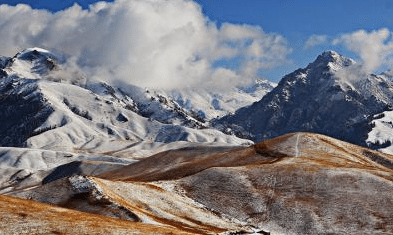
x,y
294,184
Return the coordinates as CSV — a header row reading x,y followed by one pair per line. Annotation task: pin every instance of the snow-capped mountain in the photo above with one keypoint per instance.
x,y
48,114
193,108
326,97
188,107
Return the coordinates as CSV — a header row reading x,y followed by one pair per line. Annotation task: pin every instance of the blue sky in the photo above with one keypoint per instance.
x,y
295,20
52,5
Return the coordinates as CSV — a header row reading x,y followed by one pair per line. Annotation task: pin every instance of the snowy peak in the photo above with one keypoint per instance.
x,y
320,74
331,60
33,63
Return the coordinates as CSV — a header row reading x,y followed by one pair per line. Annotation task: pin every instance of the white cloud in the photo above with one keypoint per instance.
x,y
149,43
374,48
315,40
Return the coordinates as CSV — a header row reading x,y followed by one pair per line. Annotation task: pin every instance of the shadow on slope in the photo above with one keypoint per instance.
x,y
22,110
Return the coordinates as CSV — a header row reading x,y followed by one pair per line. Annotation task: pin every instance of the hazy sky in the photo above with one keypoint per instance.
x,y
235,38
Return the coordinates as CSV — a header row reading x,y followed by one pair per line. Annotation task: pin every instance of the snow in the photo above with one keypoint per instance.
x,y
382,132
34,63
48,123
213,104
102,127
100,119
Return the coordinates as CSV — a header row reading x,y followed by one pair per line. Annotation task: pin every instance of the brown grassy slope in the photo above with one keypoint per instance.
x,y
320,186
21,216
176,164
299,183
154,203
134,201
311,148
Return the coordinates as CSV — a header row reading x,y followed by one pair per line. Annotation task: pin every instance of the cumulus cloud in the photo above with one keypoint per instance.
x,y
315,40
375,48
149,43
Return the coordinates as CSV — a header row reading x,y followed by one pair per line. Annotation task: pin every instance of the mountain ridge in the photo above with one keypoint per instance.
x,y
315,99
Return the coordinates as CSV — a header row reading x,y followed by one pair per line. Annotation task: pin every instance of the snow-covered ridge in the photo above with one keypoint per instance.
x,y
97,118
187,107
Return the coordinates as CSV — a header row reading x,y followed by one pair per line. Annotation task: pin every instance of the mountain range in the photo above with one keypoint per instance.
x,y
309,155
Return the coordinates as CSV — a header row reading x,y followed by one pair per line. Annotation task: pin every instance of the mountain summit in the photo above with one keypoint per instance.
x,y
319,98
333,60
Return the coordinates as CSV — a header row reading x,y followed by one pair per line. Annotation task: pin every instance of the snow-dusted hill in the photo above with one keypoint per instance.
x,y
45,114
47,122
326,97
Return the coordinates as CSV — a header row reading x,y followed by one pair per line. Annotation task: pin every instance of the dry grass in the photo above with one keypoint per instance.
x,y
21,216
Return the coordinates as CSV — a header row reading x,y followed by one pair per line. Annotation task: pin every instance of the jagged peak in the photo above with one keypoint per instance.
x,y
332,60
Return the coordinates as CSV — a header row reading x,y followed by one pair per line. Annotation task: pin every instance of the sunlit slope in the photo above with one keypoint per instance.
x,y
140,202
21,216
299,183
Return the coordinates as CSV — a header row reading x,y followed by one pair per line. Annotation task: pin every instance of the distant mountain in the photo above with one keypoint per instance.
x,y
210,104
326,97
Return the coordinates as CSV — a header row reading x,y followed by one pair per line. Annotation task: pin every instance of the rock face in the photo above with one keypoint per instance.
x,y
326,97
